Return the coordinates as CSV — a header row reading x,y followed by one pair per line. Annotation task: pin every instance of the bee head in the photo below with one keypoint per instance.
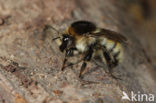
x,y
65,42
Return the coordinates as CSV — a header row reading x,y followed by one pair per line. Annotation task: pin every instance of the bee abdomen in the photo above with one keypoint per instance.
x,y
115,49
117,52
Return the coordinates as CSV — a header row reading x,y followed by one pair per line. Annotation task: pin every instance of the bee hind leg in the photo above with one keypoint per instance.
x,y
110,69
111,63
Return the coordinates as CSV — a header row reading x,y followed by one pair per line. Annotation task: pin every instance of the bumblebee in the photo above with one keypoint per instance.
x,y
84,37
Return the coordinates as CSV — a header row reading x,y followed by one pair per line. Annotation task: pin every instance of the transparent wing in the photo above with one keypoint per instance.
x,y
110,35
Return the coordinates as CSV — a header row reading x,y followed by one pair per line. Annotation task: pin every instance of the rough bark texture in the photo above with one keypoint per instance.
x,y
30,62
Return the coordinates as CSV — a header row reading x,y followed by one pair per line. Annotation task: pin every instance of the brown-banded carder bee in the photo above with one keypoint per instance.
x,y
84,37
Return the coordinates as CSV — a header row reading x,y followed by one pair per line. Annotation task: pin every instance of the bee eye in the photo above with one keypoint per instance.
x,y
65,41
65,38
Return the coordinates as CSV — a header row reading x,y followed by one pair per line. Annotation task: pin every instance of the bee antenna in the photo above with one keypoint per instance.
x,y
49,26
57,32
55,29
56,38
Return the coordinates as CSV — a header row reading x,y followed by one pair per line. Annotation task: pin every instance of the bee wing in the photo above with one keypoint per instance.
x,y
110,35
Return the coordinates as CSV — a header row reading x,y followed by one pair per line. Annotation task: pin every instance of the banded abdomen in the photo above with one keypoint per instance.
x,y
114,48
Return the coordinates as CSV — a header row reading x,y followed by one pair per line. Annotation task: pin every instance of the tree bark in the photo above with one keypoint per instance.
x,y
30,63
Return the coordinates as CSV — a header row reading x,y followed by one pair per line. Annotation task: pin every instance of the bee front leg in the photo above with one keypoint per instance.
x,y
87,57
64,63
69,53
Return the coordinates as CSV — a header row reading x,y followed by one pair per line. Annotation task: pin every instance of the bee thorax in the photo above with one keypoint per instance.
x,y
102,41
81,45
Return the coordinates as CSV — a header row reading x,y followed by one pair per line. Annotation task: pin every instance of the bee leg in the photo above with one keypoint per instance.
x,y
64,63
71,64
111,73
105,63
108,59
69,52
83,67
87,57
109,63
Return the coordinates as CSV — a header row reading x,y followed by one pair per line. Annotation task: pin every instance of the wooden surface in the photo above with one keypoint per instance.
x,y
30,62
